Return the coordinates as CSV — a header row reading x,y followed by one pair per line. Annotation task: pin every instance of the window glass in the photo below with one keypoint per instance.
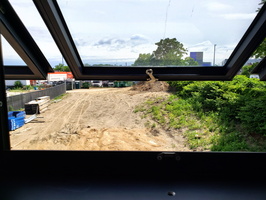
x,y
101,115
115,32
31,18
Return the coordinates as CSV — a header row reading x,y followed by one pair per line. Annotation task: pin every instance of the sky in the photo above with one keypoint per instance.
x,y
117,31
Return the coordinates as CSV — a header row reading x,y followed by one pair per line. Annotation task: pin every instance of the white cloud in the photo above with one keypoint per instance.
x,y
217,6
239,16
117,29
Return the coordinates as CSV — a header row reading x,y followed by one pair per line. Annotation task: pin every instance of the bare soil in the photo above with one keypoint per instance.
x,y
97,119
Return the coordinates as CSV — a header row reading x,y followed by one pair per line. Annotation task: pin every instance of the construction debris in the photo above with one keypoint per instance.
x,y
38,105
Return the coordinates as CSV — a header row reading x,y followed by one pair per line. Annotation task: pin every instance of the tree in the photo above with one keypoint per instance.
x,y
143,59
18,84
188,61
246,70
61,68
168,52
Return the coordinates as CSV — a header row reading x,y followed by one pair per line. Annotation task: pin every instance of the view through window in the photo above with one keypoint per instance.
x,y
141,116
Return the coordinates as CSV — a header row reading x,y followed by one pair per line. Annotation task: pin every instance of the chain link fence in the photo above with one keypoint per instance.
x,y
17,102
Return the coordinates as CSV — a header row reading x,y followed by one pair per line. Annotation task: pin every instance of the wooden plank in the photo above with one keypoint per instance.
x,y
38,105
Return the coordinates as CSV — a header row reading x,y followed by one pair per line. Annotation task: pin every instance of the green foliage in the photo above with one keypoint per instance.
x,y
18,84
143,60
260,52
60,96
85,85
233,111
61,68
168,52
246,70
10,108
27,87
236,100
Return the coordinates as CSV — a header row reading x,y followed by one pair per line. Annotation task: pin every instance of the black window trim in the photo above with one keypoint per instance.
x,y
17,33
22,42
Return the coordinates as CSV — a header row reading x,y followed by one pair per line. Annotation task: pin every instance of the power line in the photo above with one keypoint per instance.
x,y
166,16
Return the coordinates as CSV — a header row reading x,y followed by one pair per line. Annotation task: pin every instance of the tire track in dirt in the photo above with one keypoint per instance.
x,y
68,109
65,107
95,119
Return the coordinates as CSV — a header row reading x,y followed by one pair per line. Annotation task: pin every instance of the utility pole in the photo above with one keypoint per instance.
x,y
214,54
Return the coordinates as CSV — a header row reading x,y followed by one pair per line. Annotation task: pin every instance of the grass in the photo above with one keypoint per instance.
x,y
60,96
203,131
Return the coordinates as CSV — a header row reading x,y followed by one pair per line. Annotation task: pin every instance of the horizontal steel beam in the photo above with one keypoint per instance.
x,y
161,73
22,42
13,72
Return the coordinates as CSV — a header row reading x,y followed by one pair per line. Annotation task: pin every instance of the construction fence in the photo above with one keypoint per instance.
x,y
17,102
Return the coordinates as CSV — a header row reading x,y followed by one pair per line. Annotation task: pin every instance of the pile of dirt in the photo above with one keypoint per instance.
x,y
157,86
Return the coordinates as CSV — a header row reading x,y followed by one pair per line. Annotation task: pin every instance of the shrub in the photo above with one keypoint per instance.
x,y
241,100
18,84
85,85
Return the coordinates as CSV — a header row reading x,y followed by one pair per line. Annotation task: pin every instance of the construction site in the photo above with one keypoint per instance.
x,y
98,119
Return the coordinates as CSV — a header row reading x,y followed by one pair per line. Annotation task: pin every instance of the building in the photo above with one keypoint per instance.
x,y
198,56
59,76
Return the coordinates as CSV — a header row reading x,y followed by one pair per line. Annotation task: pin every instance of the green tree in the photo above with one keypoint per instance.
x,y
18,84
246,70
168,52
144,59
188,61
61,68
260,52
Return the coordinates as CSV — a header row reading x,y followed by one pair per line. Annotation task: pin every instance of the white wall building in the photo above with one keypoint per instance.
x,y
56,77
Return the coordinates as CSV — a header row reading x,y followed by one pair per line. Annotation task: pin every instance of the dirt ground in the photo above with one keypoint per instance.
x,y
96,119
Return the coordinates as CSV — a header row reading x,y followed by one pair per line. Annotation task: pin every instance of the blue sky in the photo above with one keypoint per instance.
x,y
116,31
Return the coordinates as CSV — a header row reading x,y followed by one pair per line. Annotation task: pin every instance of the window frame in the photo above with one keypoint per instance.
x,y
50,12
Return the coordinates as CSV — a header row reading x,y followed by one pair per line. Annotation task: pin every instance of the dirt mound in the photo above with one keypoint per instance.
x,y
158,86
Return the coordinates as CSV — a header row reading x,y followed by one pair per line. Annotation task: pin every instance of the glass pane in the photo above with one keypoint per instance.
x,y
116,31
10,56
145,116
31,18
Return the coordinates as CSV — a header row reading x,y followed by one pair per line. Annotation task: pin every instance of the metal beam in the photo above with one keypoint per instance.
x,y
161,73
54,20
261,69
248,44
20,39
4,130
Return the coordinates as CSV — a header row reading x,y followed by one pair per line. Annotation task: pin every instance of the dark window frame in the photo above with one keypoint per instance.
x,y
213,161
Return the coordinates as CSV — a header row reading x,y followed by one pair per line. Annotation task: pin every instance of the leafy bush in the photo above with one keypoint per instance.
x,y
18,84
241,100
27,87
246,70
85,85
